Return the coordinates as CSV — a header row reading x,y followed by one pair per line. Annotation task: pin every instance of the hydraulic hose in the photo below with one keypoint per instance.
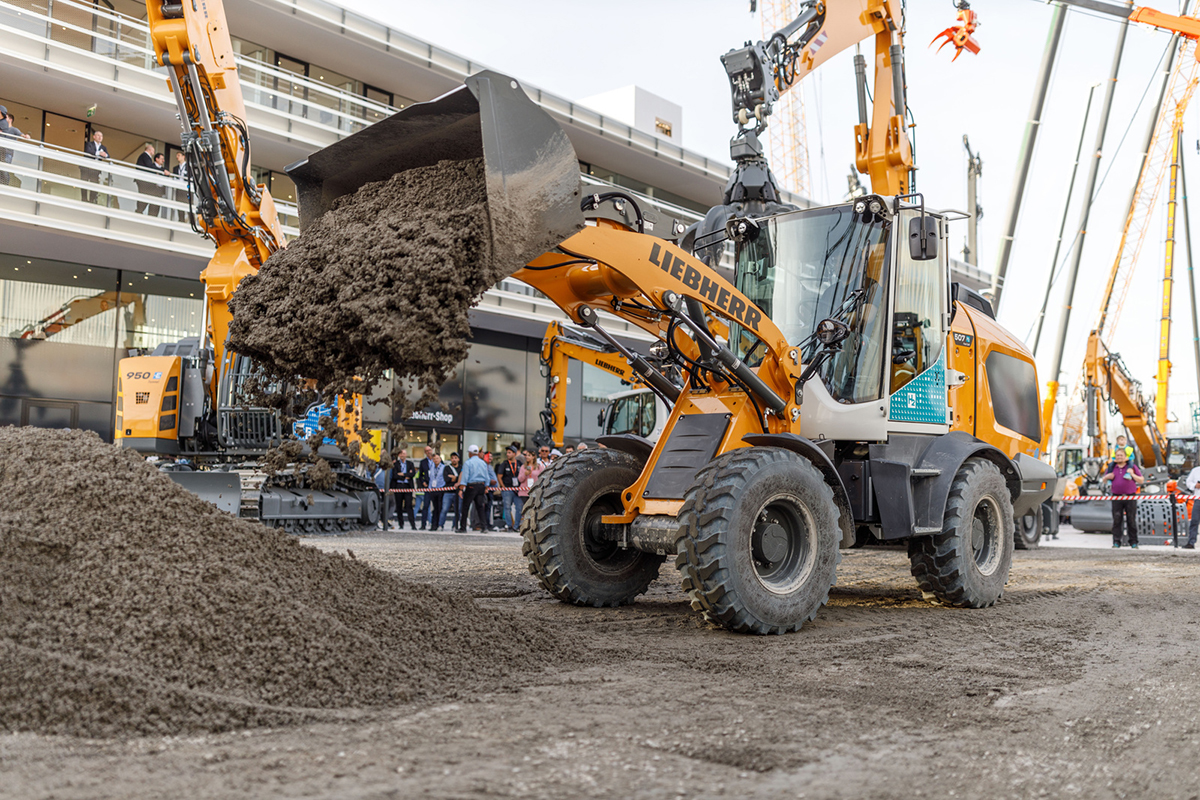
x,y
726,357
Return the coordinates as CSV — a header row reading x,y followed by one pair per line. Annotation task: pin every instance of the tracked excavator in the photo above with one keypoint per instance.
x,y
196,398
820,420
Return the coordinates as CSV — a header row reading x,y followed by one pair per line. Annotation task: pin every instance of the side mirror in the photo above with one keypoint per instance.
x,y
922,238
830,332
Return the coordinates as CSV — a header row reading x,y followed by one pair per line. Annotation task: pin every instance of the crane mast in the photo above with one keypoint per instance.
x,y
1160,156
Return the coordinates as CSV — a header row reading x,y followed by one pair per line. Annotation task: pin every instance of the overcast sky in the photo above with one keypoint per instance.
x,y
672,48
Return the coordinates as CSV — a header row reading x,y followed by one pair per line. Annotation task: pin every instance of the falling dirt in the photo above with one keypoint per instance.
x,y
130,606
384,280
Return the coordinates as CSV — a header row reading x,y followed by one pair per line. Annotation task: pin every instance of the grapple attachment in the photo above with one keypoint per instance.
x,y
531,168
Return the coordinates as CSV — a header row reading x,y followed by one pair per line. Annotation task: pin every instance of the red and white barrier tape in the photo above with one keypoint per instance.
x,y
1073,498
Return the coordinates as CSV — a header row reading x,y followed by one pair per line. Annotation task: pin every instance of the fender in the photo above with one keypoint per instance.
x,y
1038,481
946,454
809,450
637,446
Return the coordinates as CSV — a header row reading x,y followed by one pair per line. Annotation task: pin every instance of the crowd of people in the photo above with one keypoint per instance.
x,y
150,161
432,493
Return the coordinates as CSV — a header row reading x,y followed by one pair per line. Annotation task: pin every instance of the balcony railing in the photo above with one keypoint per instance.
x,y
47,185
124,42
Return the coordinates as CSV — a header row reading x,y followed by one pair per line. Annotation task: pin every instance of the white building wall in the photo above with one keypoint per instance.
x,y
645,111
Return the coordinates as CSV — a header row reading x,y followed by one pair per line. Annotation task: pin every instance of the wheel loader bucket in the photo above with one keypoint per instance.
x,y
532,172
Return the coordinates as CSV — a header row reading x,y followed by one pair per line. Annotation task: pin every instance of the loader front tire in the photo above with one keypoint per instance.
x,y
967,564
758,541
560,526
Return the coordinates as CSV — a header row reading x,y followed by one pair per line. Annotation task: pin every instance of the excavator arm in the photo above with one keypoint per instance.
x,y
561,344
761,72
1109,379
78,309
173,400
192,41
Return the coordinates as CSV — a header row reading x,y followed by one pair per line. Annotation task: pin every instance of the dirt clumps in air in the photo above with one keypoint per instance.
x,y
384,280
131,606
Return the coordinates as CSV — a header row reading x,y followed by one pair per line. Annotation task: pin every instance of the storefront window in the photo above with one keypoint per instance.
x,y
160,310
51,300
495,389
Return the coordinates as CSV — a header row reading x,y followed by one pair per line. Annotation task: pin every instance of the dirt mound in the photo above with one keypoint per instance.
x,y
384,280
129,605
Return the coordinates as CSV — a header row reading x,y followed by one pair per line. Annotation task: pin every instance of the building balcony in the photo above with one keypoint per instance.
x,y
98,212
82,54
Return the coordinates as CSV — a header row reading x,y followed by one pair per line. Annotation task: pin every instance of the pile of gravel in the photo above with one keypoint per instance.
x,y
384,280
130,606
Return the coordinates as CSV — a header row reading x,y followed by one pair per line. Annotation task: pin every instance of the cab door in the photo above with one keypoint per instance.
x,y
916,369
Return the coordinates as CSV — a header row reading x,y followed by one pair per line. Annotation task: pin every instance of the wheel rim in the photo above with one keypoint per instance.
x,y
599,548
604,553
985,536
783,545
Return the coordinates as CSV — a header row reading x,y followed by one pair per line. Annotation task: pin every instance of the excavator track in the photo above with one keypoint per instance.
x,y
284,501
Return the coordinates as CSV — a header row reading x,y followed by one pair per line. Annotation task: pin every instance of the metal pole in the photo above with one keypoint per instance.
x,y
1089,190
974,170
1027,144
1037,336
1187,240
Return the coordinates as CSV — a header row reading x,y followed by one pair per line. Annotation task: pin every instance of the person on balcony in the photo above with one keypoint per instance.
x,y
146,161
180,171
94,148
8,128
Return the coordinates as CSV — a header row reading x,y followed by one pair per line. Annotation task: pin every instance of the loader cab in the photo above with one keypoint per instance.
x,y
638,412
1183,454
1068,460
853,262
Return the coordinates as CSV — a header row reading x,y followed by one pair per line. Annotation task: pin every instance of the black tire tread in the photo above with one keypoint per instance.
x,y
701,557
543,516
1023,542
932,559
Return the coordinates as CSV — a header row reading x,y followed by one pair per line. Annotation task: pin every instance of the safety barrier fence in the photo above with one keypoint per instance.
x,y
522,491
1074,498
1173,520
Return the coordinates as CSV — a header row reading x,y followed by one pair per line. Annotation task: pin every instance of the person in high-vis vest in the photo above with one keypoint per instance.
x,y
1122,444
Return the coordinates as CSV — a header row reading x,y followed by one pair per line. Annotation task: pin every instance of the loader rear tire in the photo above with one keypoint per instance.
x,y
560,526
1028,530
967,564
758,541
